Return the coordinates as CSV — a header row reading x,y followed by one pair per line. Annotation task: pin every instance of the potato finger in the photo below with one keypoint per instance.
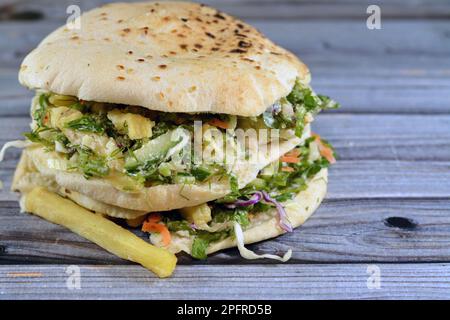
x,y
99,230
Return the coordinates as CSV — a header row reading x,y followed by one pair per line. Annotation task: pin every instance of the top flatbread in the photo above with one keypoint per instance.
x,y
168,56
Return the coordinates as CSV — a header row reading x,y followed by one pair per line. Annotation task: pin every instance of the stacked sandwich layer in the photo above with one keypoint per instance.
x,y
125,161
179,118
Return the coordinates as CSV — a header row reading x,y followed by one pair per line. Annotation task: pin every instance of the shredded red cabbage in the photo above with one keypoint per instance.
x,y
193,226
255,198
276,108
282,215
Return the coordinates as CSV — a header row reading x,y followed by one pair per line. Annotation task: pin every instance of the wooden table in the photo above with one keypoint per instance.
x,y
388,206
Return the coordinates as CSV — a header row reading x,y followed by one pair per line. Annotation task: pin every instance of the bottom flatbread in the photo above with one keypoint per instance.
x,y
28,177
262,226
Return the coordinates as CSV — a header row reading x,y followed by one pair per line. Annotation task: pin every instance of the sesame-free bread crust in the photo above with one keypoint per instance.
x,y
167,56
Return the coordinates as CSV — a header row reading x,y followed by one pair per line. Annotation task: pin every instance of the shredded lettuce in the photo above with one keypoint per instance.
x,y
34,137
199,247
277,120
145,161
284,184
48,137
239,215
12,144
305,101
201,173
179,225
248,254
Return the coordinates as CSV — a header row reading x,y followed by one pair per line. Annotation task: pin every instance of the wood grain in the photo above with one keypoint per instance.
x,y
267,9
316,281
389,194
340,231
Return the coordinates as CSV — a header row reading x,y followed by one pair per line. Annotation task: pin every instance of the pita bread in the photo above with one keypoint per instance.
x,y
167,56
28,177
265,225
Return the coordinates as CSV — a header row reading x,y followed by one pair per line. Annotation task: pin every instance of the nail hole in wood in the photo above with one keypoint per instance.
x,y
400,222
27,15
10,13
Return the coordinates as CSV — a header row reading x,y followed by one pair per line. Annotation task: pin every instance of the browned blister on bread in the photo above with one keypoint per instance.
x,y
171,57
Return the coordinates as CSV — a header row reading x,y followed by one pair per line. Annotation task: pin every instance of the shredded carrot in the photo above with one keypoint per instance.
x,y
219,123
324,150
327,153
46,119
152,225
154,217
287,169
293,153
289,159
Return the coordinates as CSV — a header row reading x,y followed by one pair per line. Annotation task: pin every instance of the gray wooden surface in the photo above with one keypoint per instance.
x,y
274,282
389,194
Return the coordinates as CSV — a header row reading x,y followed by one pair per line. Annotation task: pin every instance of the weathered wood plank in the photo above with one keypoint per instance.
x,y
397,281
267,9
341,231
385,179
387,137
15,99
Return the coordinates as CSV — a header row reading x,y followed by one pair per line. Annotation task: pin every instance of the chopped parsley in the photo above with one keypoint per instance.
x,y
51,137
90,164
40,113
202,241
88,123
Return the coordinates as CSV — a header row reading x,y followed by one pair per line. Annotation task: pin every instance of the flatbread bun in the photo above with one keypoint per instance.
x,y
167,56
265,225
27,177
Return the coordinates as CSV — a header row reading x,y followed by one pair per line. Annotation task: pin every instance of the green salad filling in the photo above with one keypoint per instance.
x,y
102,138
276,179
134,147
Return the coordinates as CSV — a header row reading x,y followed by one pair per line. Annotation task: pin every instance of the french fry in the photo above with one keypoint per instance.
x,y
199,215
99,230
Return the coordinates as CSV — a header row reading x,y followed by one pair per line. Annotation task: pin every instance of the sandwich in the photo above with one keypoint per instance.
x,y
174,118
